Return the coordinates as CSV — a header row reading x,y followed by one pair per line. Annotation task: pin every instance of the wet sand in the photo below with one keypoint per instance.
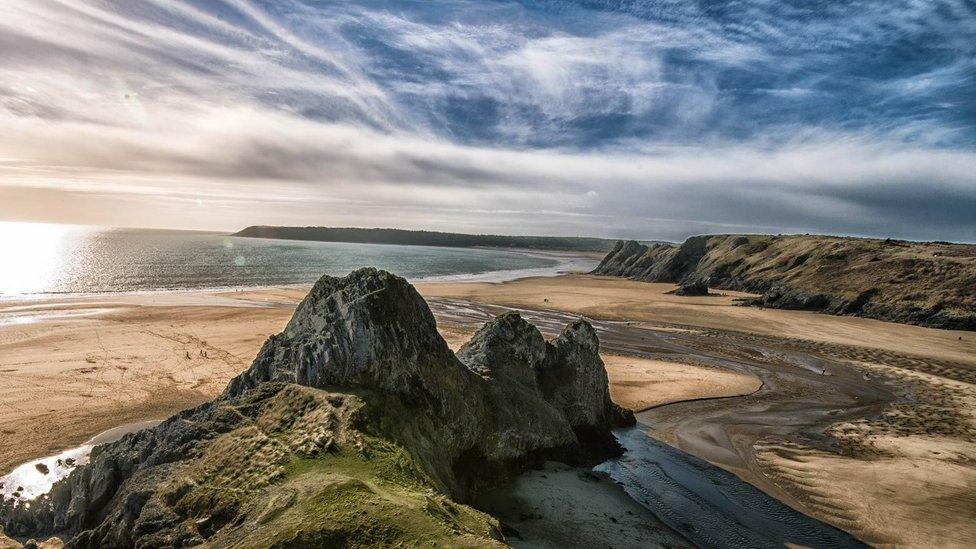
x,y
35,478
867,447
877,446
709,506
561,506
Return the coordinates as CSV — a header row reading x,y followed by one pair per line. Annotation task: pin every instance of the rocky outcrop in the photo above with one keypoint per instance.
x,y
373,330
927,283
356,421
634,260
691,288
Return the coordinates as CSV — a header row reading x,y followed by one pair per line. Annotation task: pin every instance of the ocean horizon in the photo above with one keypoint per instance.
x,y
49,259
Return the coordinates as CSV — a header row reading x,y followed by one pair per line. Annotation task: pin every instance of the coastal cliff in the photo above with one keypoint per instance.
x,y
355,426
930,284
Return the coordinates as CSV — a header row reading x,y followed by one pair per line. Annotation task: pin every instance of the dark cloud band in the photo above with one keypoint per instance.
x,y
652,119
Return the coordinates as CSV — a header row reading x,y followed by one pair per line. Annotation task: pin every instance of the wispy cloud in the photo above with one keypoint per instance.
x,y
653,119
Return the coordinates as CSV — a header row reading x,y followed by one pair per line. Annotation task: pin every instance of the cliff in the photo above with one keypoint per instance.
x,y
926,283
355,426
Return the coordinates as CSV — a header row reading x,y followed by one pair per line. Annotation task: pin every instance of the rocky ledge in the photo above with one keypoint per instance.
x,y
692,288
355,426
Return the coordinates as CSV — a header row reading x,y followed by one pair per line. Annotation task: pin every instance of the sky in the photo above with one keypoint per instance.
x,y
636,119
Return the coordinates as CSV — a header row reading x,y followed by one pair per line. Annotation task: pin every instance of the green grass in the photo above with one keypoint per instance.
x,y
380,460
299,471
370,498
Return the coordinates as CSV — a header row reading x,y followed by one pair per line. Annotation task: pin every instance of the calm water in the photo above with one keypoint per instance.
x,y
37,477
45,259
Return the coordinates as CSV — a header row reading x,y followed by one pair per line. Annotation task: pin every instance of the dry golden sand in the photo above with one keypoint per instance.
x,y
7,543
72,367
640,383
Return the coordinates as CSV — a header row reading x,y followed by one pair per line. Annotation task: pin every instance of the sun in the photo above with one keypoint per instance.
x,y
33,256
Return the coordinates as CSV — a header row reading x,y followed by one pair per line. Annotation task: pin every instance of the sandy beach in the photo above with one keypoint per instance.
x,y
75,367
896,400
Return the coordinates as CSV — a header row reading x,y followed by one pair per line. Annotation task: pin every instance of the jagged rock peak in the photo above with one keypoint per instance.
x,y
370,328
506,341
568,372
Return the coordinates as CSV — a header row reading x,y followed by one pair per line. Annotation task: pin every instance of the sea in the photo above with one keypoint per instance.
x,y
42,259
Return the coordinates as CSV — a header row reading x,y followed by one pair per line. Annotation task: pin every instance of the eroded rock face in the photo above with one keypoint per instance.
x,y
370,329
360,374
500,401
538,400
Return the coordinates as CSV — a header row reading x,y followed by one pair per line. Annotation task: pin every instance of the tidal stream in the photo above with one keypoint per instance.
x,y
710,506
692,463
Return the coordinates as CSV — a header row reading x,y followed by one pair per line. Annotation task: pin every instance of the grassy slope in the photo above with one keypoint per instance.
x,y
354,499
919,282
301,474
915,273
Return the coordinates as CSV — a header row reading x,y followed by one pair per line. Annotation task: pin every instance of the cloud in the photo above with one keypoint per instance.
x,y
650,119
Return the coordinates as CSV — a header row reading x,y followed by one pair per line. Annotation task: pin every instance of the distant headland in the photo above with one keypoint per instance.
x,y
429,238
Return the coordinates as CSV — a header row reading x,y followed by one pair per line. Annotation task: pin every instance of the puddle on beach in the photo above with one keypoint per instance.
x,y
35,478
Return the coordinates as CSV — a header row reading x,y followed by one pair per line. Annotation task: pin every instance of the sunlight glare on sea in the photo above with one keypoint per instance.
x,y
35,254
42,259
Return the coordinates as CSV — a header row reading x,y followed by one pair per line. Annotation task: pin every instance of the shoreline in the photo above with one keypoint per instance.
x,y
36,477
120,359
566,263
